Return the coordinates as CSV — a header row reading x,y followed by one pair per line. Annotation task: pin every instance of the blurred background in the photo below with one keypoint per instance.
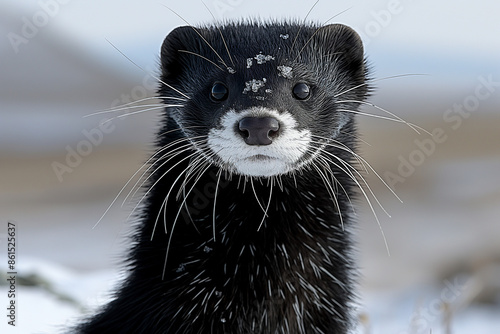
x,y
59,170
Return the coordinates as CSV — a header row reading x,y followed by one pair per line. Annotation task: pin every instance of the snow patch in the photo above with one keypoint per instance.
x,y
285,72
261,59
254,85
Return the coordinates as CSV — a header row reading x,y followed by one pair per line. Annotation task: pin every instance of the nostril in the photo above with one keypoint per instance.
x,y
243,133
273,133
258,130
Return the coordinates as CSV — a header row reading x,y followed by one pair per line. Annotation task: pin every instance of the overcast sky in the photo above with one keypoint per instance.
x,y
457,29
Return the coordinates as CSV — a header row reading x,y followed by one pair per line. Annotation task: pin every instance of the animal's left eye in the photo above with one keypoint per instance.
x,y
301,91
219,92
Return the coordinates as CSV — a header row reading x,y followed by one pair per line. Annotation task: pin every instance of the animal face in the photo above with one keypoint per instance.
x,y
263,100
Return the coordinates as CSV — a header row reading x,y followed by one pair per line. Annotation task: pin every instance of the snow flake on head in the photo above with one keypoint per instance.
x,y
284,36
285,72
254,85
261,59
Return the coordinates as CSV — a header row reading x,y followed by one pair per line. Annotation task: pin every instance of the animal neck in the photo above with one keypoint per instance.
x,y
271,250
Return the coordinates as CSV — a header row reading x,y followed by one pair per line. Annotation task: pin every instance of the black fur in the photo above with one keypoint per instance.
x,y
295,274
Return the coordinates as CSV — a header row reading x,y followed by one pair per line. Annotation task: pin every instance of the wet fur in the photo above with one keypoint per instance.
x,y
216,251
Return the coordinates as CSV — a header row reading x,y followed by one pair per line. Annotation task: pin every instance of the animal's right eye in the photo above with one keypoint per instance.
x,y
219,92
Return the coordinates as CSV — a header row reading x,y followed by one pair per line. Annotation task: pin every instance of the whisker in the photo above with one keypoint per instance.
x,y
365,195
175,152
330,191
130,180
161,107
158,107
199,34
364,181
193,169
142,69
215,199
412,126
271,186
131,105
376,116
164,205
220,32
175,222
377,80
204,58
317,30
107,111
303,24
339,145
365,163
157,181
255,194
199,161
325,162
369,201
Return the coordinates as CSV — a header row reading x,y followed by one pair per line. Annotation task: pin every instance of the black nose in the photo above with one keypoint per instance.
x,y
258,130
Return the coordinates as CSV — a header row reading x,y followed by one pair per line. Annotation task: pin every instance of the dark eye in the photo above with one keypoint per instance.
x,y
301,91
219,92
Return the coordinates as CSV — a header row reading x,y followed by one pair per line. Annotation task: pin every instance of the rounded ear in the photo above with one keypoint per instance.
x,y
178,39
343,41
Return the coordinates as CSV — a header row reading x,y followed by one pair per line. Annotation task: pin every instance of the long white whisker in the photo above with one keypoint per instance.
x,y
130,180
317,30
303,23
339,145
198,162
271,186
331,191
160,107
175,152
215,199
366,197
157,181
411,125
200,35
255,194
131,105
367,164
372,115
376,80
325,161
142,69
343,162
175,221
202,57
220,32
120,108
167,197
192,170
